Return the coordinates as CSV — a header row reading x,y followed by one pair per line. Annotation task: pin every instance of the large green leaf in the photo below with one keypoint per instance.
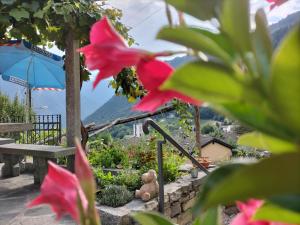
x,y
259,118
262,43
266,142
285,83
278,175
291,202
206,81
222,40
235,22
194,40
18,14
272,212
202,9
212,216
213,179
151,218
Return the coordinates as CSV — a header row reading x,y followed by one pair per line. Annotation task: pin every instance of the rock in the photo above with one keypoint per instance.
x,y
189,204
175,209
185,218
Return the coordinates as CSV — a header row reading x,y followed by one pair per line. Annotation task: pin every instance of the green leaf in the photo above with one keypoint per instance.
x,y
259,118
285,80
205,81
213,179
194,40
18,14
291,202
218,38
151,218
211,217
262,43
278,175
235,22
202,9
272,212
39,14
8,2
266,142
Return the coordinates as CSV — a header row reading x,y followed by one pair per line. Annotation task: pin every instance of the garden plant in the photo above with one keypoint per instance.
x,y
242,77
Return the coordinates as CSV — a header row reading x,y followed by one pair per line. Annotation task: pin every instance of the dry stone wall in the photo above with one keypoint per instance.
x,y
179,199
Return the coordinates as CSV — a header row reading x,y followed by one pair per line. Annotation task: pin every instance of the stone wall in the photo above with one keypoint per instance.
x,y
179,198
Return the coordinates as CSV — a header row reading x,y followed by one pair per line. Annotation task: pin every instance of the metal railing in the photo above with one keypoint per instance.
x,y
47,129
167,137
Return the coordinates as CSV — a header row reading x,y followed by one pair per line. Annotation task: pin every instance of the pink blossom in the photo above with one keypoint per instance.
x,y
61,189
152,75
108,51
247,211
275,3
109,54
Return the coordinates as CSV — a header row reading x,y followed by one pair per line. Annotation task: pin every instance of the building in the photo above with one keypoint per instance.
x,y
215,149
138,130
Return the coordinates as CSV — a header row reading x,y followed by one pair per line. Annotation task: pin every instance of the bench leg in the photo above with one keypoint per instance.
x,y
40,169
11,166
71,163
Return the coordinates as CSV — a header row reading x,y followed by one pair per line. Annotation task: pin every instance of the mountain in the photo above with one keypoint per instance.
x,y
118,106
54,102
278,30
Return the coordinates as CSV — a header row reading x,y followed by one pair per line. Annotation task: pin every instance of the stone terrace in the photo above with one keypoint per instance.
x,y
15,192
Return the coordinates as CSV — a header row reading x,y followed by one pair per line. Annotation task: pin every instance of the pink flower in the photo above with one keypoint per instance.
x,y
247,211
60,190
152,75
108,51
275,3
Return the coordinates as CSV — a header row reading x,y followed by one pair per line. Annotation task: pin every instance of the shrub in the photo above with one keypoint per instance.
x,y
103,179
109,158
114,196
132,180
171,167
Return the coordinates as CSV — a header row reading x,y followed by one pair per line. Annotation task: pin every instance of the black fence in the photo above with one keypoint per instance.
x,y
46,130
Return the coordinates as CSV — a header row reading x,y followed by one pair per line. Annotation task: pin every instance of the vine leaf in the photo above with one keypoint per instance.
x,y
18,14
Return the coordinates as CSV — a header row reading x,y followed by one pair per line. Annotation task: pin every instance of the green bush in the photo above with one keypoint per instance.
x,y
103,179
114,196
111,157
132,180
171,167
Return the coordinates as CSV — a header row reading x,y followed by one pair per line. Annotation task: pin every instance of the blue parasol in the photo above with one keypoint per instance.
x,y
30,66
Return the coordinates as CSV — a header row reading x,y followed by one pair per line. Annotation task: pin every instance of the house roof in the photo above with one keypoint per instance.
x,y
206,140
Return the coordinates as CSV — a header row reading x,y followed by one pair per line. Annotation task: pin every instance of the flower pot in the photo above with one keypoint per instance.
x,y
194,172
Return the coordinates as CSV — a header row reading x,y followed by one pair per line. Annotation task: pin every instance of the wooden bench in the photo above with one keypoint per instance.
x,y
15,127
40,153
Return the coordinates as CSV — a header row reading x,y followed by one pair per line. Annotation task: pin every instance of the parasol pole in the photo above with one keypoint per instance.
x,y
28,104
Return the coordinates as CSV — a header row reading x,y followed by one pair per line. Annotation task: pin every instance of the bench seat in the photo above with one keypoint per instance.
x,y
6,141
41,154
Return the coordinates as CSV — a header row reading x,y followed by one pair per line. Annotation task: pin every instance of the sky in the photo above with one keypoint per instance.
x,y
145,18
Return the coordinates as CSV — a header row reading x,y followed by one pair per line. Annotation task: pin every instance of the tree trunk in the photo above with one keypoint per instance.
x,y
72,66
197,128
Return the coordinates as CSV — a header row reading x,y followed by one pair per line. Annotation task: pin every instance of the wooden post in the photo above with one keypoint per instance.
x,y
72,65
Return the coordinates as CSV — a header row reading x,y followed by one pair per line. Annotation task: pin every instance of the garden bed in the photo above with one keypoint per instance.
x,y
179,198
